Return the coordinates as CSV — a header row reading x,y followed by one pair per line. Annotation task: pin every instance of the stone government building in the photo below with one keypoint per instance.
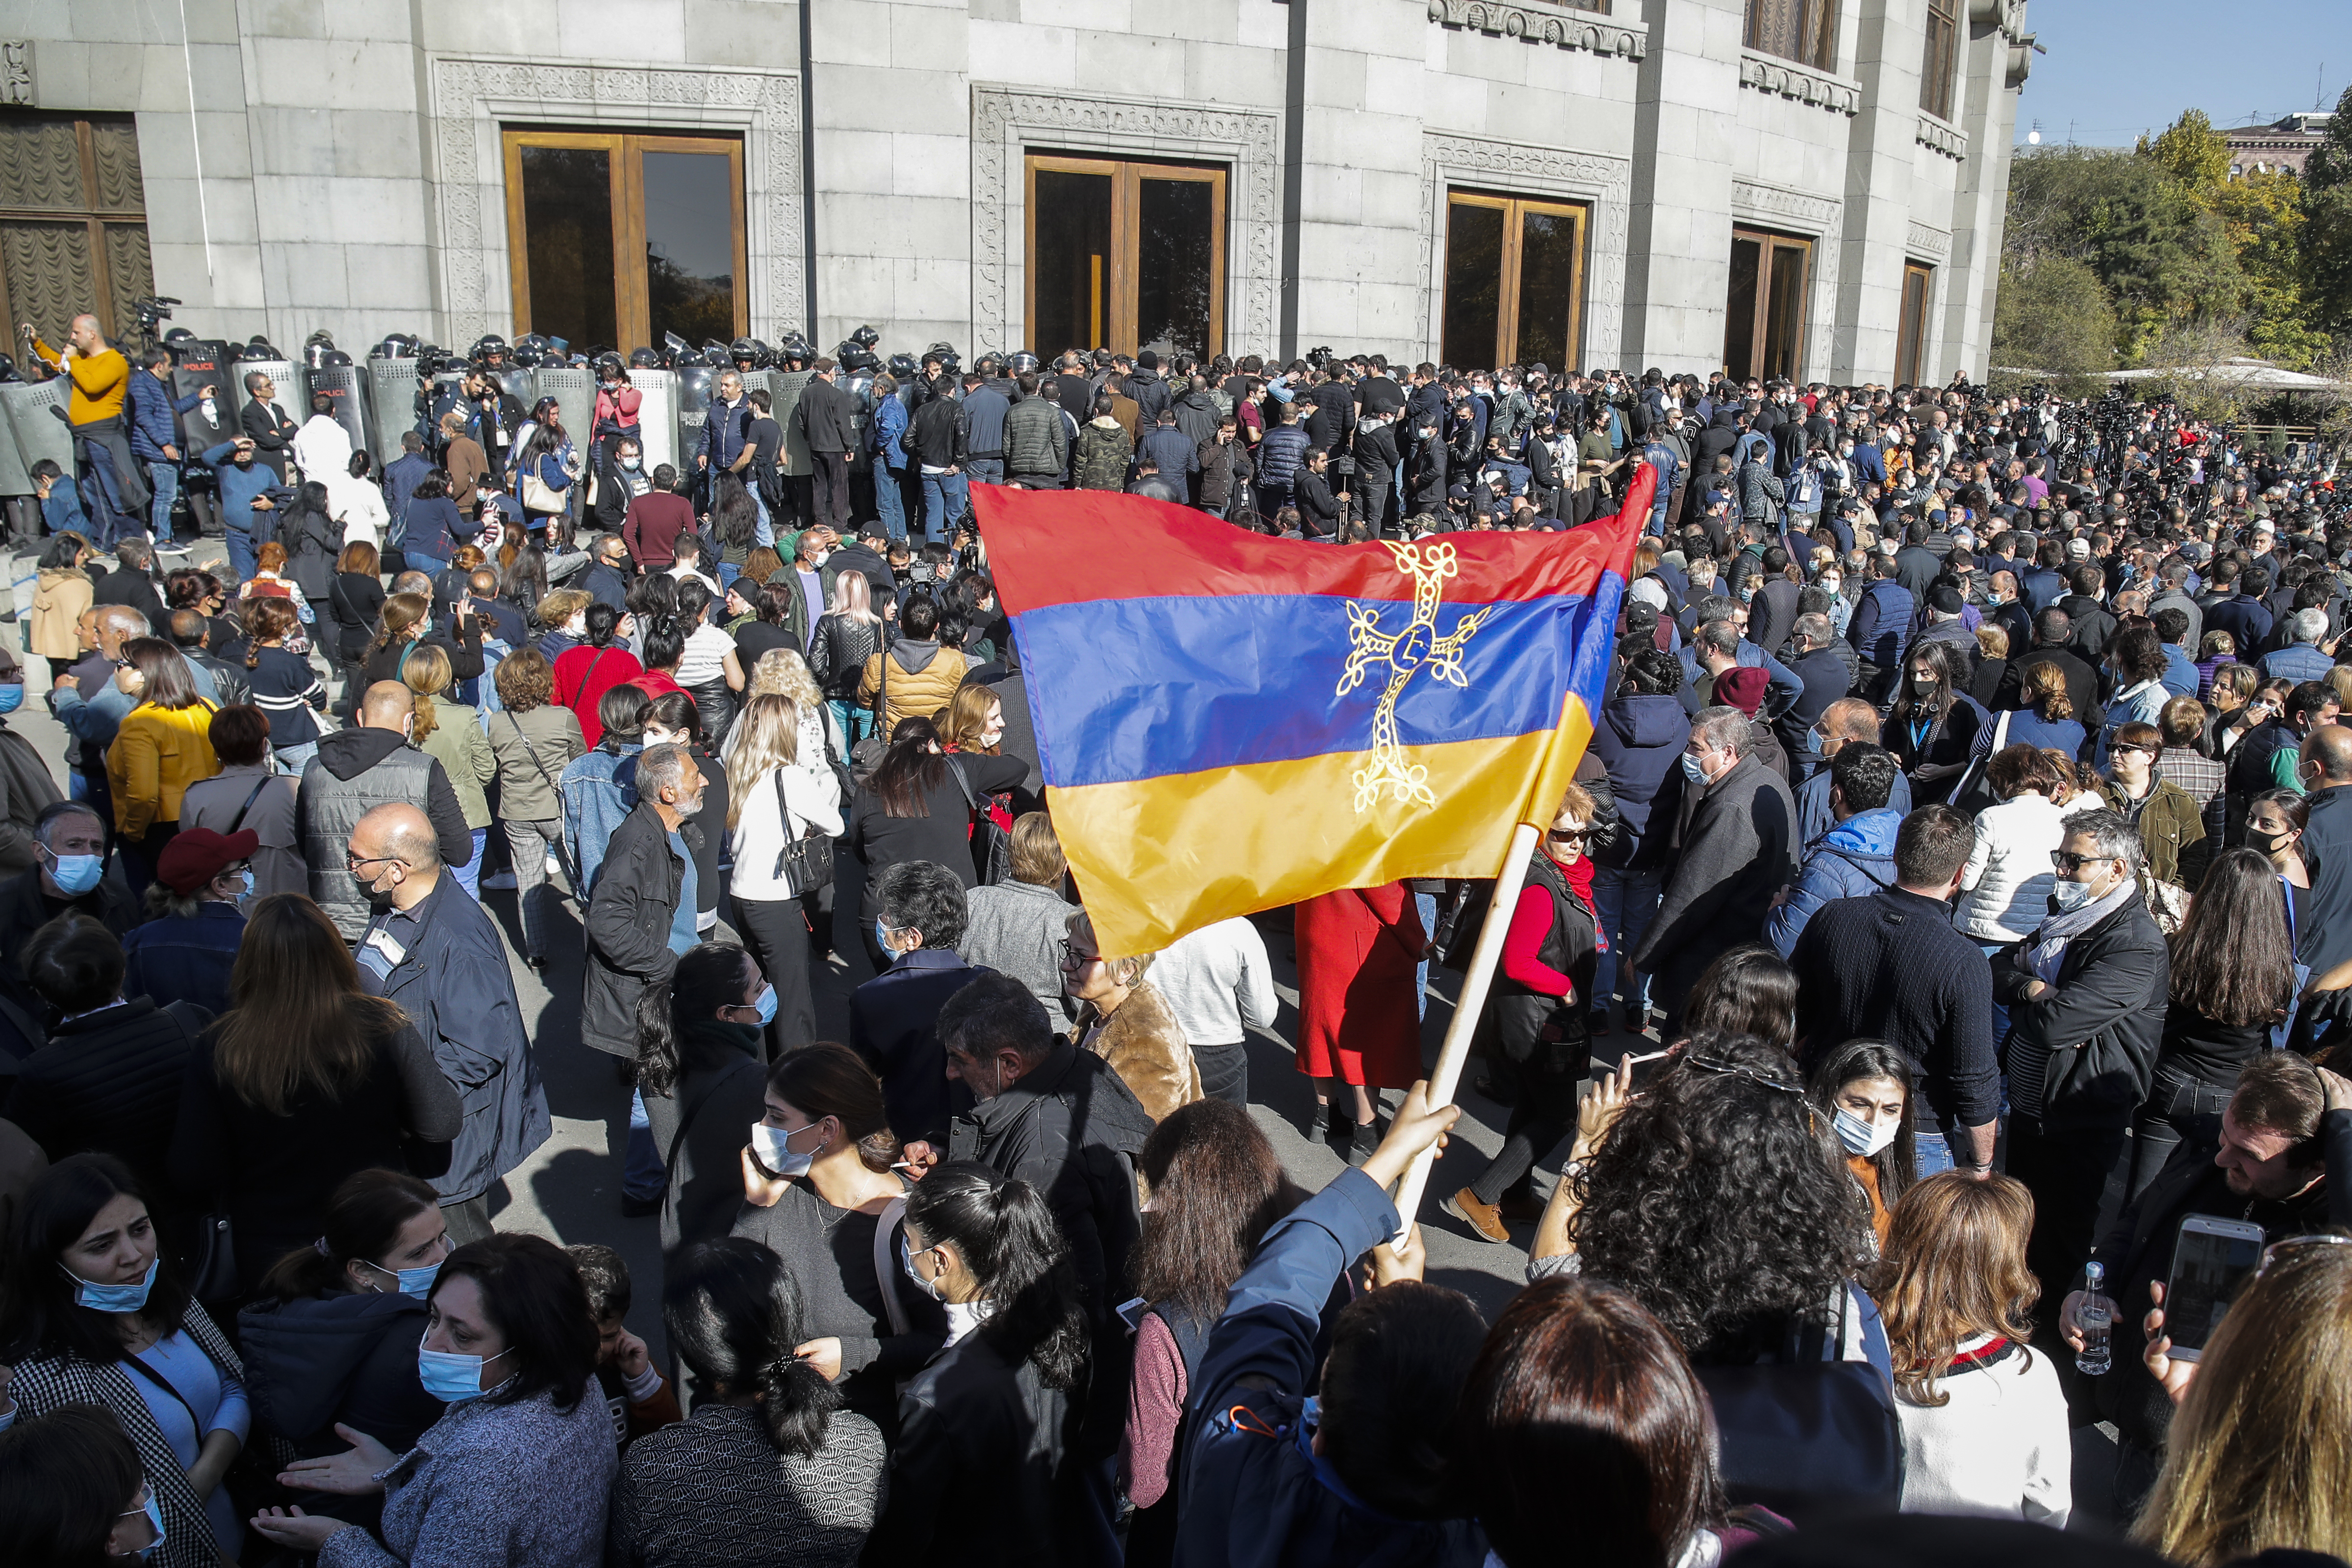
x,y
1811,188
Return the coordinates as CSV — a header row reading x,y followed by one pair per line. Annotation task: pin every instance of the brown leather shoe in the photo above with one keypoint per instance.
x,y
1484,1219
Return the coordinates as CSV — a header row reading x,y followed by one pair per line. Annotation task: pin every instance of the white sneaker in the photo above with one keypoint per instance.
x,y
554,867
498,883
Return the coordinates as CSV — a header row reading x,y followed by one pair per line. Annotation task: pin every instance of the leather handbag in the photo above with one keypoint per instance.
x,y
805,863
212,1274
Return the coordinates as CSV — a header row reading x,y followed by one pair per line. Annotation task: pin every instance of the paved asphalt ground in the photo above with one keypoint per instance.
x,y
569,1189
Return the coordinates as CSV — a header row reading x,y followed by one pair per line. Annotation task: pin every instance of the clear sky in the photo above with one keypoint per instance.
x,y
2116,68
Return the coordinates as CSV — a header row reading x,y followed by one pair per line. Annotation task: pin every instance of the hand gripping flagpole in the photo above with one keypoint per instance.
x,y
1467,1010
1472,1004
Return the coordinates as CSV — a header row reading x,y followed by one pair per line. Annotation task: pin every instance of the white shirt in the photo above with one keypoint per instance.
x,y
810,800
1217,982
1999,1445
322,447
359,506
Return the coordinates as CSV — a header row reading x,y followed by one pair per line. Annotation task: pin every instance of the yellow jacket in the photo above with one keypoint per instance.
x,y
99,383
156,755
919,694
57,603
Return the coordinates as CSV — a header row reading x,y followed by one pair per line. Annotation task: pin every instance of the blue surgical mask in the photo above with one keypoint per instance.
x,y
774,1148
906,1261
244,890
113,1298
767,1006
1693,769
77,874
417,1282
153,1510
1861,1137
12,698
448,1377
882,933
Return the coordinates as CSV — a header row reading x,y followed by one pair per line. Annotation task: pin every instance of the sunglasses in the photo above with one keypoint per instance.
x,y
1569,835
2070,864
2277,1251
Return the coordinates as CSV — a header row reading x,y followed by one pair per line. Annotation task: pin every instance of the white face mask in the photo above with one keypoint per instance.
x,y
2073,895
1863,1138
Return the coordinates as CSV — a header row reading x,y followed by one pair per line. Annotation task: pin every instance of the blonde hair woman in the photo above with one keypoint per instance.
x,y
846,636
2257,1455
164,745
773,804
1984,1423
783,673
451,733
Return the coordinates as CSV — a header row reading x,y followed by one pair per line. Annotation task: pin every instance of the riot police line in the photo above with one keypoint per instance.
x,y
405,384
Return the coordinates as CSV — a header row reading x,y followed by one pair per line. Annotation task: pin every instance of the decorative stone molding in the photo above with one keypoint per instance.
x,y
1007,121
1602,182
16,73
1928,242
1570,26
1800,212
1940,136
1770,73
471,97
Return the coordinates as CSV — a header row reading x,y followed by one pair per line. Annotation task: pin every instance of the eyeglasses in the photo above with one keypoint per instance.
x,y
353,863
2068,864
1074,959
2276,1250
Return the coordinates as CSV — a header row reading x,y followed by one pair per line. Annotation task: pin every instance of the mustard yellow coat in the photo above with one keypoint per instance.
x,y
156,755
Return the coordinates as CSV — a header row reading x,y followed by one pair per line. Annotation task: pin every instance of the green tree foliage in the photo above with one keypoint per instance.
x,y
2052,319
2160,253
2192,153
2325,251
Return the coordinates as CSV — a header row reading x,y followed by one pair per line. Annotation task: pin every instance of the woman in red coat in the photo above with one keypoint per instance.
x,y
1357,1021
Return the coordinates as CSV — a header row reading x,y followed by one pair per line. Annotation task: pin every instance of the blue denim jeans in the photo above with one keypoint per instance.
x,y
1625,901
984,470
2000,1013
764,531
643,1174
854,719
890,499
1426,904
1933,1151
470,875
240,551
292,760
163,478
945,496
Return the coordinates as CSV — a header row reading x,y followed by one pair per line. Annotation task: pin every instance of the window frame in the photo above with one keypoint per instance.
x,y
1121,285
1506,297
1911,323
1813,22
632,304
1939,61
96,221
1771,243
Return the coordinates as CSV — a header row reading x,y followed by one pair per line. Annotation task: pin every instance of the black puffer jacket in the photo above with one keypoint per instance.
x,y
2096,1021
109,1082
344,1357
838,654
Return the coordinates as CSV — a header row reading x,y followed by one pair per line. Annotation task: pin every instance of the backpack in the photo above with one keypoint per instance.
x,y
1805,489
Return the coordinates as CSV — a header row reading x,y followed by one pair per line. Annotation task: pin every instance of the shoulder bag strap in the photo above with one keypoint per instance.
x,y
238,821
586,679
882,681
784,821
886,1272
694,1108
534,752
955,771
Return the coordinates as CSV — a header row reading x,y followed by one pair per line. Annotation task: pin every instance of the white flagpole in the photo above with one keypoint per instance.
x,y
1456,1049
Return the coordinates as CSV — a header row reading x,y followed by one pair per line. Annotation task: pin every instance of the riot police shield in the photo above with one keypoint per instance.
x,y
285,390
693,404
860,388
36,416
345,386
758,380
391,405
575,391
196,364
15,476
656,415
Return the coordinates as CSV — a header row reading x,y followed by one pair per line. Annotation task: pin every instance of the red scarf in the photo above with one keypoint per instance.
x,y
1578,877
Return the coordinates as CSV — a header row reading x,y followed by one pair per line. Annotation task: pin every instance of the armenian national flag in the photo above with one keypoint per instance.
x,y
1228,723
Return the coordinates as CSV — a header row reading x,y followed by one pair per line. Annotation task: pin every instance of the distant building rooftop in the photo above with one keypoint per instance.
x,y
2284,145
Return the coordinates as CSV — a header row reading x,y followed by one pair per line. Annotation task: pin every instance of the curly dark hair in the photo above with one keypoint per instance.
x,y
1719,1201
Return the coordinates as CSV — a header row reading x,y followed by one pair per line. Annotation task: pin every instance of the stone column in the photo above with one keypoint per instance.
x,y
1998,56
1882,149
1678,266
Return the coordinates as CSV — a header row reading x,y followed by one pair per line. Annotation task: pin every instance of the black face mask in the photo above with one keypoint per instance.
x,y
2264,843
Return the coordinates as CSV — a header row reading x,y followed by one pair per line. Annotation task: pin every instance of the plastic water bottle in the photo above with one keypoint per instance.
x,y
211,411
2095,1316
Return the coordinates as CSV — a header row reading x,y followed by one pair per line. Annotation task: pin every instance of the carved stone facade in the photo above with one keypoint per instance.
x,y
1007,120
341,166
472,98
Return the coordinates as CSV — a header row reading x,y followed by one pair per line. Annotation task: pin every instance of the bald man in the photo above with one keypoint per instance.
x,y
101,380
2326,770
432,949
356,770
1847,719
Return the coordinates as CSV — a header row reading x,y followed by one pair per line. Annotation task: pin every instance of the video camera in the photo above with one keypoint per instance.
x,y
153,310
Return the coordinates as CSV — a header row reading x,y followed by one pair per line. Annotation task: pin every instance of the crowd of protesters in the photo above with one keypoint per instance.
x,y
1961,861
